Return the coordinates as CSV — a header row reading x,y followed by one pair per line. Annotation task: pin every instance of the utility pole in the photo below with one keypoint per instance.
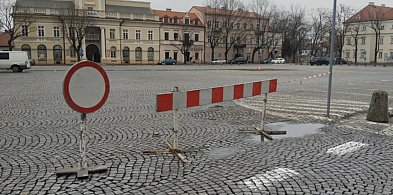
x,y
332,44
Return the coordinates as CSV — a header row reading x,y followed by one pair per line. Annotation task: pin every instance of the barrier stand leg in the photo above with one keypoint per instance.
x,y
261,131
82,170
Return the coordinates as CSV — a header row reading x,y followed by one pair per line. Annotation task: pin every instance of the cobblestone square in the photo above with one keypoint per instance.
x,y
39,134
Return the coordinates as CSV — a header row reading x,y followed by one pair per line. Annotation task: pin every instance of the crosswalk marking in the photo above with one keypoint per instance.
x,y
269,178
346,148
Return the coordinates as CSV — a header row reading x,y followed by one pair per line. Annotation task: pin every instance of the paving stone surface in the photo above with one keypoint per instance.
x,y
39,134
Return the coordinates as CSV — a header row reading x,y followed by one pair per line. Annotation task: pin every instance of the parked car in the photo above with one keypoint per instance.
x,y
319,61
17,61
239,60
168,62
340,61
218,61
265,61
278,61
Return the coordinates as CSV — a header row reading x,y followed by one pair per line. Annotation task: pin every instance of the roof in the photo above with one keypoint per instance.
x,y
45,4
208,9
371,12
173,14
4,37
128,9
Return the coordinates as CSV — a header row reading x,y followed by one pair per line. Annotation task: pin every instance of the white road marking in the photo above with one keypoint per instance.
x,y
269,178
346,148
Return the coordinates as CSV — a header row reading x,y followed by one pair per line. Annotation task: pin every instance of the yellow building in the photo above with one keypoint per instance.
x,y
121,32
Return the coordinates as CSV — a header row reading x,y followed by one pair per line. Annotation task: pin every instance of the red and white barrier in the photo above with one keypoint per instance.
x,y
199,97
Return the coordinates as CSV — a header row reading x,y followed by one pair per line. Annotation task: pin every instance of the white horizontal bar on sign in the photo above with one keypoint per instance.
x,y
269,178
346,148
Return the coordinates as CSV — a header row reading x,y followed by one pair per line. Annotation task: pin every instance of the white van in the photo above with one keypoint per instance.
x,y
17,61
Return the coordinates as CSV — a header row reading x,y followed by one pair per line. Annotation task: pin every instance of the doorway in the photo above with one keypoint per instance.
x,y
93,53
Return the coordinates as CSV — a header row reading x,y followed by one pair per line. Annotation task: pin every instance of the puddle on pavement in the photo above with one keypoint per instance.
x,y
293,130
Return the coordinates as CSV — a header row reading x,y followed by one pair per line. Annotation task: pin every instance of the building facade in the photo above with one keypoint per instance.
x,y
361,39
122,32
181,36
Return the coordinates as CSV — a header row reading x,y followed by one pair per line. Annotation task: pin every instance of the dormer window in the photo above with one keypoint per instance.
x,y
196,22
186,21
166,20
175,20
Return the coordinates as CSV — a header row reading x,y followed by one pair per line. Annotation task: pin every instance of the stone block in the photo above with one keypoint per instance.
x,y
379,107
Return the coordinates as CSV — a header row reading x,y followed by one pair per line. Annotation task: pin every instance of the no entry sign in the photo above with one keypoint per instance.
x,y
86,87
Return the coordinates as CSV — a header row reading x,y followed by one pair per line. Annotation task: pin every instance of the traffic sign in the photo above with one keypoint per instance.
x,y
86,87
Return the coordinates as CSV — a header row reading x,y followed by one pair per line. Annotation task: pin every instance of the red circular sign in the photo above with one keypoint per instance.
x,y
86,87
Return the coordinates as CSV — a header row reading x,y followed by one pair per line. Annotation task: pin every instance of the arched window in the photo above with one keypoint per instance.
x,y
27,49
113,52
57,53
42,55
126,54
150,54
138,54
72,52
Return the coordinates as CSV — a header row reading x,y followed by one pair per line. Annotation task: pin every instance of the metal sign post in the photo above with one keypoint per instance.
x,y
86,89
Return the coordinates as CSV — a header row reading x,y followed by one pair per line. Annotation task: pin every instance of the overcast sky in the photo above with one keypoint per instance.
x,y
185,5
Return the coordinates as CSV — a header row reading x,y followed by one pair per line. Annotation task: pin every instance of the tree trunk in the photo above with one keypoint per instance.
x,y
212,57
253,55
376,49
10,45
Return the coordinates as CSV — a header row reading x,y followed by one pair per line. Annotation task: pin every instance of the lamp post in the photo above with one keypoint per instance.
x,y
332,44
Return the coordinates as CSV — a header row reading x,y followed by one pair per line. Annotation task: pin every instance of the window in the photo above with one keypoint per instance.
x,y
41,50
175,20
187,21
166,55
125,33
150,35
138,35
196,37
176,36
113,52
150,54
363,40
348,54
217,24
57,54
72,32
166,20
196,22
196,56
364,28
166,36
41,32
380,40
90,8
379,54
186,37
363,54
112,34
382,27
175,55
209,24
56,31
25,30
138,54
4,56
391,40
348,41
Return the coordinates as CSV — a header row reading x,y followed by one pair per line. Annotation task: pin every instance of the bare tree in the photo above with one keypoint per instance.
x,y
295,32
318,31
376,19
263,12
213,30
343,14
14,21
354,29
185,42
233,16
75,23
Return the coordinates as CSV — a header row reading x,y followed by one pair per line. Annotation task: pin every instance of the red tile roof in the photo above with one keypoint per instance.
x,y
372,12
207,10
172,14
4,37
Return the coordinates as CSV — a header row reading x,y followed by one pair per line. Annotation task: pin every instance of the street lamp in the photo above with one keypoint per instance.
x,y
332,44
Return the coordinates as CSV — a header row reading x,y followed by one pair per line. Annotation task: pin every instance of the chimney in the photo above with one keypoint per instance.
x,y
168,9
383,5
371,3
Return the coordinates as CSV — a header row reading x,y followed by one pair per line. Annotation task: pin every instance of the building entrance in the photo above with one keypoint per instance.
x,y
93,53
